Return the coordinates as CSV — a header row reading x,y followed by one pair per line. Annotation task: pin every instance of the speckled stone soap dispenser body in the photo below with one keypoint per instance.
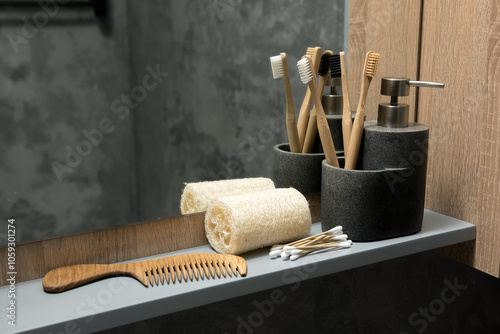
x,y
402,153
384,197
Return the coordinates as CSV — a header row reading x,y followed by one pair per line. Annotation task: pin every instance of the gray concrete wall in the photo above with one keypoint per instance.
x,y
58,79
181,91
219,112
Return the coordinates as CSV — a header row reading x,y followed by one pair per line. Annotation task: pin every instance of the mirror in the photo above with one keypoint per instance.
x,y
103,120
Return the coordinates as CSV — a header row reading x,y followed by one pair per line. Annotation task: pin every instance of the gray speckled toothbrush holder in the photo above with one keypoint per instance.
x,y
301,171
335,124
384,197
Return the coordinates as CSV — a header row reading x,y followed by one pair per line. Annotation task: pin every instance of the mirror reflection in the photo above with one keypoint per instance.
x,y
104,117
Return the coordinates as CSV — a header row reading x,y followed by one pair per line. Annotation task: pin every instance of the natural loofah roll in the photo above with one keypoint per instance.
x,y
241,223
197,196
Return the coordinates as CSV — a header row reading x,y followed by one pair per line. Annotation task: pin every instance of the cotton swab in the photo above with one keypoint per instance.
x,y
334,238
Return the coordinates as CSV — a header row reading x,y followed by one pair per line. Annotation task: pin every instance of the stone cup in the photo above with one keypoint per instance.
x,y
301,171
367,203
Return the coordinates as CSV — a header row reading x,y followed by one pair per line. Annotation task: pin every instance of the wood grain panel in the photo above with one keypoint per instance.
x,y
391,28
35,259
460,47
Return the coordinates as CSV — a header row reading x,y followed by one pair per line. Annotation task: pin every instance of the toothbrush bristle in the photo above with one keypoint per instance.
x,y
323,65
305,71
277,66
371,64
310,51
335,69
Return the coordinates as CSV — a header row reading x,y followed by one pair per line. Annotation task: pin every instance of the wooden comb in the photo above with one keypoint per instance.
x,y
149,271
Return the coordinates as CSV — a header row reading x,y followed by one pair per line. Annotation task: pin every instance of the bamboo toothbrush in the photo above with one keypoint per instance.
x,y
308,76
347,115
312,125
279,67
370,69
315,54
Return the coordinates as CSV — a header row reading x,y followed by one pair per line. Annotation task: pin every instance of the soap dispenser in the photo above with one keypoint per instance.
x,y
395,144
384,196
393,141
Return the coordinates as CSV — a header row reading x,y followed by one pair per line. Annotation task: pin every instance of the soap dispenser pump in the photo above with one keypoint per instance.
x,y
396,147
394,114
393,141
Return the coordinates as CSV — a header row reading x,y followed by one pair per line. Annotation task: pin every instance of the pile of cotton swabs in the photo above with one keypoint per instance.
x,y
331,239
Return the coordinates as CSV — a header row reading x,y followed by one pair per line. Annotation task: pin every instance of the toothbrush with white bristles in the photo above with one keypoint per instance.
x,y
308,76
304,112
279,67
312,125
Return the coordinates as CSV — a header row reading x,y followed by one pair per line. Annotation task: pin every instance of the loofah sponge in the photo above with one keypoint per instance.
x,y
197,196
241,223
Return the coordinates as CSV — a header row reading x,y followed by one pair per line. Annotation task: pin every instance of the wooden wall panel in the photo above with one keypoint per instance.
x,y
391,28
35,259
460,47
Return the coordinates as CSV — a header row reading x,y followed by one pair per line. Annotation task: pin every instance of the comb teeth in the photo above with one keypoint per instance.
x,y
335,69
277,66
185,268
305,71
371,64
323,65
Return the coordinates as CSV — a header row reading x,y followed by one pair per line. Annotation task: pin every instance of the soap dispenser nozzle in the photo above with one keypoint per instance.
x,y
394,114
429,84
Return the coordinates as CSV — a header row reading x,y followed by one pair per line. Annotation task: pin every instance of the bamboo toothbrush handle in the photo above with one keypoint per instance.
x,y
291,127
291,124
323,128
312,126
312,130
357,128
307,102
304,116
346,115
65,278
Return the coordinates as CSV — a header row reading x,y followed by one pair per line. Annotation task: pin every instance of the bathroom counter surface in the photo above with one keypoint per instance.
x,y
118,301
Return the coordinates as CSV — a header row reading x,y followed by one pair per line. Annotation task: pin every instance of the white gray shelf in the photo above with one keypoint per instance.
x,y
121,300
